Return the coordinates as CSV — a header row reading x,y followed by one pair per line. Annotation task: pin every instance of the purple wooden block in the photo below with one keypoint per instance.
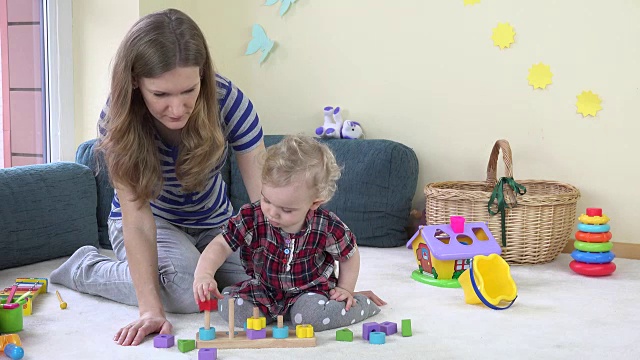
x,y
163,341
208,354
369,327
256,334
389,327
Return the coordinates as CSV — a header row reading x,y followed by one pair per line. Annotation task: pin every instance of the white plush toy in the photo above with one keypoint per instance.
x,y
335,127
351,130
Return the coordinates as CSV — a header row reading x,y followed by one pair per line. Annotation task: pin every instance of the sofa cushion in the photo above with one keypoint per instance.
x,y
85,156
47,211
374,194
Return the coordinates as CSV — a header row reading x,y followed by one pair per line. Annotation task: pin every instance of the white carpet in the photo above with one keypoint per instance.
x,y
558,315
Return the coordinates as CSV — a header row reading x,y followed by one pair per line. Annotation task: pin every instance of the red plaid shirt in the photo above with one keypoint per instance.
x,y
283,266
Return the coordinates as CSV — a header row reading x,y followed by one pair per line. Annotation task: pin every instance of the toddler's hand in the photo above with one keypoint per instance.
x,y
340,294
203,285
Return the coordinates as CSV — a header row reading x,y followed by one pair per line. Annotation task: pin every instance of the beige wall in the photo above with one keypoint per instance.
x,y
426,73
98,27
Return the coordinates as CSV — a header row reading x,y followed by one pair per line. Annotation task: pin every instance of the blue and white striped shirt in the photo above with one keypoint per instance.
x,y
211,207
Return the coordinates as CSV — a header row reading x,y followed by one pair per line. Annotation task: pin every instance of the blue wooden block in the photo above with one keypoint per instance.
x,y
377,337
205,334
280,333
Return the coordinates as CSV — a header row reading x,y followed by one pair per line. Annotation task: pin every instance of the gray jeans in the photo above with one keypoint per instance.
x,y
179,249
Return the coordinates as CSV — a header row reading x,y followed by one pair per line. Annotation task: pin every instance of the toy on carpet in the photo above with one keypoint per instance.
x,y
376,333
443,252
11,345
63,304
32,286
488,281
256,335
592,255
11,313
335,127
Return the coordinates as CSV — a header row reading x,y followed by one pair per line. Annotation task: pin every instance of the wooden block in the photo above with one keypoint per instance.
x,y
304,331
186,345
344,335
406,327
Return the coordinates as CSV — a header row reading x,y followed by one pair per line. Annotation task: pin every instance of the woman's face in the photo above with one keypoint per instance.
x,y
171,97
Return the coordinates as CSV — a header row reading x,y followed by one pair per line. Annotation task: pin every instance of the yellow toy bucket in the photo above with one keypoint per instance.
x,y
488,281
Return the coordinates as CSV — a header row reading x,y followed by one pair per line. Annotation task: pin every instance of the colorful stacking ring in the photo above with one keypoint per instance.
x,y
594,237
594,228
593,258
593,220
592,246
592,269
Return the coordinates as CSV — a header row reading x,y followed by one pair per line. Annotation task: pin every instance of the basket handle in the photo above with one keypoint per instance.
x,y
492,166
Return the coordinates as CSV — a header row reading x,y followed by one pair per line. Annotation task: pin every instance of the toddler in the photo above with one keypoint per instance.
x,y
289,244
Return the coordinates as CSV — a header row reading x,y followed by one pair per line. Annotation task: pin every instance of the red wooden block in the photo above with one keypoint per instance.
x,y
211,305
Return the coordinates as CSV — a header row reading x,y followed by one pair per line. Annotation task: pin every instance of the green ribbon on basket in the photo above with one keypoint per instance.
x,y
497,195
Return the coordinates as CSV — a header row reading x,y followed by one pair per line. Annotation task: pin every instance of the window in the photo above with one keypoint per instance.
x,y
36,116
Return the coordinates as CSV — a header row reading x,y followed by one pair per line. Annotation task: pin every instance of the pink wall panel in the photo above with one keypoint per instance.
x,y
26,122
23,160
4,67
23,10
25,61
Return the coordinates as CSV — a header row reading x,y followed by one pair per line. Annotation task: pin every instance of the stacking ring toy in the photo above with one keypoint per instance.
x,y
593,237
593,220
592,246
594,228
592,258
592,269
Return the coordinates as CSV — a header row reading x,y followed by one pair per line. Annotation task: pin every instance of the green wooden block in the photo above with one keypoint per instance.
x,y
344,335
186,345
406,327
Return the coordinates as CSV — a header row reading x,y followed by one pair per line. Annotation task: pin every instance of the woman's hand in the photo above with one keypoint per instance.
x,y
340,294
373,297
148,323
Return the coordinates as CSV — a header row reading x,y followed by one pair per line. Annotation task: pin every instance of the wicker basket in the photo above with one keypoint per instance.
x,y
538,225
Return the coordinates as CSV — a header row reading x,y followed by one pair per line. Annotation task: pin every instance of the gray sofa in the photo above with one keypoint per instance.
x,y
48,211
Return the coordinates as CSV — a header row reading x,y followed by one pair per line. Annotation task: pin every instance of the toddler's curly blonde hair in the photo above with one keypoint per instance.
x,y
302,155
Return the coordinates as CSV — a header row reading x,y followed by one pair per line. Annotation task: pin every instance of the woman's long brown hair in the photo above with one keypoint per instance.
x,y
158,43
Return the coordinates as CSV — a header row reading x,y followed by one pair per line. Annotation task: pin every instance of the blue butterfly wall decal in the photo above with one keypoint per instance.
x,y
260,41
284,7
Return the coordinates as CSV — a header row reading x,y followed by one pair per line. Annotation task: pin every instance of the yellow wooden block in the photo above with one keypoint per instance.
x,y
256,323
304,331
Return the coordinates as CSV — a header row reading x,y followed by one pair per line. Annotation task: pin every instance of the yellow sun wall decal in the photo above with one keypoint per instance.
x,y
471,2
503,35
539,76
588,103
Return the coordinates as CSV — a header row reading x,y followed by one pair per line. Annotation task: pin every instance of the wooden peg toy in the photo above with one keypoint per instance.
x,y
242,339
63,305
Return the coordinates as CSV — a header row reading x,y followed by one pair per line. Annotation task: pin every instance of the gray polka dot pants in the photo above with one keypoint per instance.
x,y
324,314
310,308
